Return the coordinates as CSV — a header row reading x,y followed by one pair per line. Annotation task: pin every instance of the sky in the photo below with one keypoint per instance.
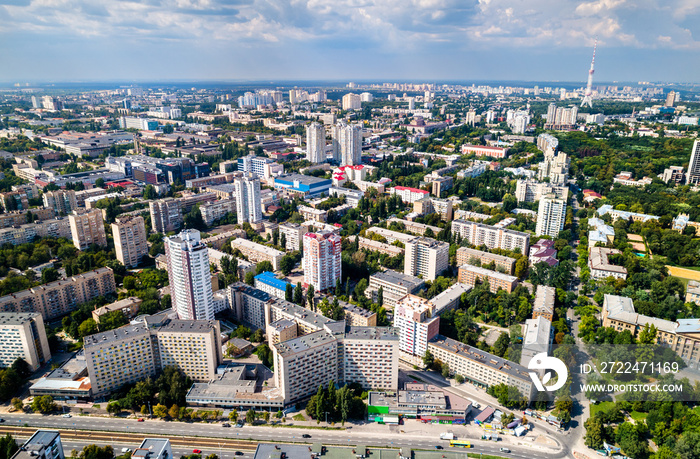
x,y
346,40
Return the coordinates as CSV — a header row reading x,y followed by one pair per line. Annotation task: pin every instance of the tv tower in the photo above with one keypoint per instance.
x,y
587,98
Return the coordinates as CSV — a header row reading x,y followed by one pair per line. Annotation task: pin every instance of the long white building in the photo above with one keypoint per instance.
x,y
189,276
492,237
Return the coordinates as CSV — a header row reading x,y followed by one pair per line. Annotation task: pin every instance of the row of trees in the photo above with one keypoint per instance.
x,y
336,405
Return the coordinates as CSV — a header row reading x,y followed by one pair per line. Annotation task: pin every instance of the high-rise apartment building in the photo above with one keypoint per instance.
x,y
87,228
694,165
248,199
135,352
394,286
351,101
130,240
315,143
165,215
532,190
322,265
23,336
417,324
349,143
551,215
58,298
189,276
426,257
63,202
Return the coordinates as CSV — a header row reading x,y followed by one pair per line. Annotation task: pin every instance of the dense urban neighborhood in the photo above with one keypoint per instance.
x,y
336,270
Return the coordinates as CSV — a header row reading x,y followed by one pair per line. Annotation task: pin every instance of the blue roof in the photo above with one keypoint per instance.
x,y
269,278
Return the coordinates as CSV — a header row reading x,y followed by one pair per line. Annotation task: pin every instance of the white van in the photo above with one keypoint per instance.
x,y
126,450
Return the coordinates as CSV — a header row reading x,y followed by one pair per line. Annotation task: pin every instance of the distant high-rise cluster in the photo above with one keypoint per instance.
x,y
561,117
189,276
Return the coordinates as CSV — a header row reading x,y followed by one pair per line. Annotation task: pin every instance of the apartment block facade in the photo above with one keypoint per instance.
x,y
417,323
87,228
130,240
62,202
465,255
480,367
189,276
136,351
258,252
22,336
293,234
469,275
61,297
322,264
426,257
166,215
478,234
394,285
212,211
551,215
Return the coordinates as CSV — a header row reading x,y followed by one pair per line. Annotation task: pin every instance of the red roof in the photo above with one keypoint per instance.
x,y
485,147
358,167
413,190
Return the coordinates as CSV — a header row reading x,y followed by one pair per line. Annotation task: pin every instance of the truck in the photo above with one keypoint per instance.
x,y
447,436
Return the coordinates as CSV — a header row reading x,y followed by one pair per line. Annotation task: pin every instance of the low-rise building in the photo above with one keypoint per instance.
x,y
356,316
212,211
391,236
380,247
537,339
465,255
601,267
68,382
544,302
419,401
394,285
258,252
153,448
352,197
408,194
309,213
543,252
293,234
43,444
269,283
469,275
128,306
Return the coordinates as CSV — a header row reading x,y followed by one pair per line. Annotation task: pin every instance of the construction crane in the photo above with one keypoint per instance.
x,y
588,96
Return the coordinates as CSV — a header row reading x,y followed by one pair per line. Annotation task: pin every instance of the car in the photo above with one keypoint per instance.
x,y
225,424
2,420
238,425
306,436
139,420
438,447
238,453
197,451
505,450
126,450
67,415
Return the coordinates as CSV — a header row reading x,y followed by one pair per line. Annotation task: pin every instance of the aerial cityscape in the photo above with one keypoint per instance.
x,y
283,237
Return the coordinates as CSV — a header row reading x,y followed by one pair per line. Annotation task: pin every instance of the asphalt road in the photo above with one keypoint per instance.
x,y
260,433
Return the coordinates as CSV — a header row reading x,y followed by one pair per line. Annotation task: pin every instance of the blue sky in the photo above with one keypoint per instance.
x,y
87,40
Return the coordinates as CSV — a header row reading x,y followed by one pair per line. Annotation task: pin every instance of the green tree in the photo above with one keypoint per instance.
x,y
114,407
250,278
8,447
263,266
380,296
233,416
289,293
428,359
160,411
250,416
445,370
43,404
96,452
174,411
310,296
299,295
150,192
17,404
100,183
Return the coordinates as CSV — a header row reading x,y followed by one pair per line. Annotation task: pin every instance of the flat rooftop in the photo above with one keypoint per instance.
x,y
394,277
16,318
377,333
478,270
304,343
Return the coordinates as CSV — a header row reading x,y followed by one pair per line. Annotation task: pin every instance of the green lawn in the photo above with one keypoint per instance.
x,y
638,416
299,417
602,406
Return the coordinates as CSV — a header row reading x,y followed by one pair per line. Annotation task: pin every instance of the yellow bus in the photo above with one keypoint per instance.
x,y
460,444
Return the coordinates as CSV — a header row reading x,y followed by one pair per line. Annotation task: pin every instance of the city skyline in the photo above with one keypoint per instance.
x,y
217,40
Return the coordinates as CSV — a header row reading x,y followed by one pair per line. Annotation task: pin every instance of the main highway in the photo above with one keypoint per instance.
x,y
211,438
